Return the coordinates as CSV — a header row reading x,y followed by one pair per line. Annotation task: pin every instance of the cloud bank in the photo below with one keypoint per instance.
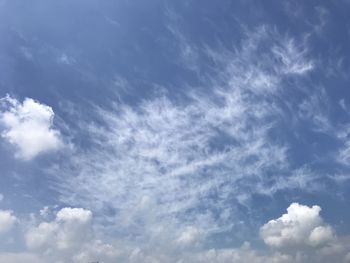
x,y
300,235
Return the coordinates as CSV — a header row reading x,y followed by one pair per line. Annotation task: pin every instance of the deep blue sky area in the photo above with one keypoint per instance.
x,y
174,131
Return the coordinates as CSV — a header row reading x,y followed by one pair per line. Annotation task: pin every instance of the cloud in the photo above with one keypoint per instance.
x,y
29,127
315,109
300,226
68,238
66,232
165,166
298,236
243,254
7,220
65,59
292,57
343,154
188,236
303,235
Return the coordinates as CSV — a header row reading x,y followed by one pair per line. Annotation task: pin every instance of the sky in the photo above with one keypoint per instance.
x,y
167,131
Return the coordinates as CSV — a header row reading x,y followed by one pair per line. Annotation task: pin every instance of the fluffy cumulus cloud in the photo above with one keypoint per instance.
x,y
302,234
68,238
29,127
300,226
7,220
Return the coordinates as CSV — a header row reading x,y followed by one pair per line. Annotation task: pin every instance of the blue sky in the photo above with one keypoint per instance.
x,y
174,131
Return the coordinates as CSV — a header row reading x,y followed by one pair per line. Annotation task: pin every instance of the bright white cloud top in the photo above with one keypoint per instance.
x,y
29,127
301,226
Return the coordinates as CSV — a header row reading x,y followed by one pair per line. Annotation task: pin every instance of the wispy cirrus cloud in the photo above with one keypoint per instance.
x,y
165,169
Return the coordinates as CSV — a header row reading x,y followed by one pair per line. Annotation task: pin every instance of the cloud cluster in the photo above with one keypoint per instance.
x,y
29,127
298,236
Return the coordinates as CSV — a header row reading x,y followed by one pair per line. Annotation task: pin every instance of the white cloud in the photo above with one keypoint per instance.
x,y
7,220
315,109
74,215
66,59
321,235
343,155
69,238
29,126
66,232
300,226
301,235
292,57
242,254
189,236
44,212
